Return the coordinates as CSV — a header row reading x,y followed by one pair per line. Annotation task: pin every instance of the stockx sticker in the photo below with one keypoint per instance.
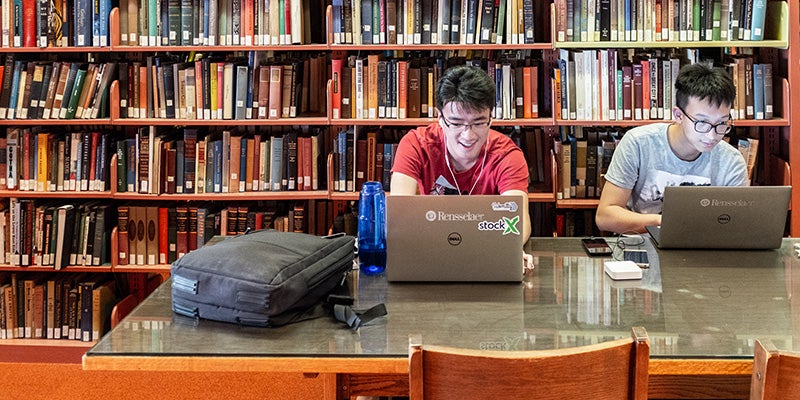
x,y
507,225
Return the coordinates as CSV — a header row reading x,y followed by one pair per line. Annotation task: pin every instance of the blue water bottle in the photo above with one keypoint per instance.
x,y
372,229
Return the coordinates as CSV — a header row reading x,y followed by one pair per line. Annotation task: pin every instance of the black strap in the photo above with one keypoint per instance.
x,y
355,319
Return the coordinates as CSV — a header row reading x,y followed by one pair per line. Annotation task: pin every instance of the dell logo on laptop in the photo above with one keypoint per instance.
x,y
454,238
724,218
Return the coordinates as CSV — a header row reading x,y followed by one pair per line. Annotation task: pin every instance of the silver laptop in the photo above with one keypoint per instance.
x,y
722,217
454,238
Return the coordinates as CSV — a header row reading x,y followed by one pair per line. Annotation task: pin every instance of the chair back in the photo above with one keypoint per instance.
x,y
123,308
776,374
610,370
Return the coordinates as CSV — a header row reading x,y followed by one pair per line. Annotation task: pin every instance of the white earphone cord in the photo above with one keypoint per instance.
x,y
483,165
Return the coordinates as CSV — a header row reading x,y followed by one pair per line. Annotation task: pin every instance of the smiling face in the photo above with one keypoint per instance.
x,y
689,142
465,132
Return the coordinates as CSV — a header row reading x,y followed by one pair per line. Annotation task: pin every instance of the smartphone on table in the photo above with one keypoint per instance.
x,y
596,246
639,256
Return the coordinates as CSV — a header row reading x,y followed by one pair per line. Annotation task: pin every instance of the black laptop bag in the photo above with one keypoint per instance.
x,y
262,278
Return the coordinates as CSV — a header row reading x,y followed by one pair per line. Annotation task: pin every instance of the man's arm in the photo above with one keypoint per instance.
x,y
403,184
614,216
526,217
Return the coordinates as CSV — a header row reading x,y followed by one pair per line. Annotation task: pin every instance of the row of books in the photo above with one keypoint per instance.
x,y
46,306
150,235
181,161
363,155
250,86
33,23
434,21
66,235
583,155
54,90
219,22
535,143
367,154
56,235
749,148
65,306
665,20
34,159
603,85
396,88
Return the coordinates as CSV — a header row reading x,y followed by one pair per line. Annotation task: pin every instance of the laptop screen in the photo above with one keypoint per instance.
x,y
454,238
717,217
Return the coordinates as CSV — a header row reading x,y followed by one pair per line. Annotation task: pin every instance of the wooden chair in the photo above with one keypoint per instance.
x,y
776,374
610,370
123,308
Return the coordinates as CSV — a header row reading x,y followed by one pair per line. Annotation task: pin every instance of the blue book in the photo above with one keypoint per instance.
x,y
83,12
387,165
209,185
101,26
758,18
366,22
12,103
17,23
336,17
206,23
102,174
242,166
758,91
122,166
217,165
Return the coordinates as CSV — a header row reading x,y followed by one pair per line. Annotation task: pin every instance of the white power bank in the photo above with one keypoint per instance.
x,y
622,270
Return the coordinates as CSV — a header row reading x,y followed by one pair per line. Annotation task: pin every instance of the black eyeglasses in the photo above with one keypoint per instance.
x,y
704,127
476,127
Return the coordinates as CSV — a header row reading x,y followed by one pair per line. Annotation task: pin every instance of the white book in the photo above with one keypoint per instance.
x,y
580,76
604,111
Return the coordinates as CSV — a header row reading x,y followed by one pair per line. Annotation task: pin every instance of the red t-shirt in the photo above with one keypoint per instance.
x,y
420,155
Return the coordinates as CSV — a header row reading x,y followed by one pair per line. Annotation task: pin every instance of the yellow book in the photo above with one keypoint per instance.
x,y
42,162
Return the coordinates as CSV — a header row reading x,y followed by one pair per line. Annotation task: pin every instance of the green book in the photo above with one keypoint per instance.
x,y
75,93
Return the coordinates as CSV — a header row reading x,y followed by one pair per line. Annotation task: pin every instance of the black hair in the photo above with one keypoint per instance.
x,y
704,83
469,86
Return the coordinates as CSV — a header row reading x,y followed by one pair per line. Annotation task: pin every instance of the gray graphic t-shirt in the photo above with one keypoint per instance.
x,y
644,162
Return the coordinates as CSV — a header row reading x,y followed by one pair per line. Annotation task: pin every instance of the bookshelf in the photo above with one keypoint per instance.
x,y
776,135
782,49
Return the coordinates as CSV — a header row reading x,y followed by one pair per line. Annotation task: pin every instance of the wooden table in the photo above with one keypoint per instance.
x,y
702,311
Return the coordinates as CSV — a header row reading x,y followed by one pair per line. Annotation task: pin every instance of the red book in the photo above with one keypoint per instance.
x,y
93,158
163,235
256,179
182,241
336,88
627,92
287,25
645,89
29,8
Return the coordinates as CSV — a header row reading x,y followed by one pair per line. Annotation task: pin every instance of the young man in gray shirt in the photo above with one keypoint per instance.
x,y
685,152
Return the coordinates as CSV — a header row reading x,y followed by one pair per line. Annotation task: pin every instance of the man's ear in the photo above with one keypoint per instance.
x,y
677,114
